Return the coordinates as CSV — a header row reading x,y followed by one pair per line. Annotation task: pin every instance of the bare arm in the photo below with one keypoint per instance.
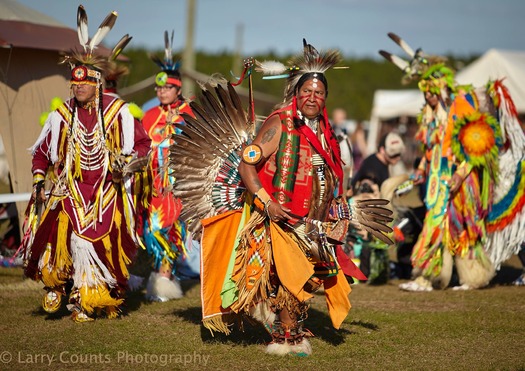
x,y
268,139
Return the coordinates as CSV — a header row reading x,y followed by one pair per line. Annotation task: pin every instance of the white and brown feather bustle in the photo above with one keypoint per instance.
x,y
205,156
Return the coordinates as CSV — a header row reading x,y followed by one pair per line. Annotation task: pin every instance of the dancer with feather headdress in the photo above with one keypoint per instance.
x,y
473,165
84,232
164,234
268,204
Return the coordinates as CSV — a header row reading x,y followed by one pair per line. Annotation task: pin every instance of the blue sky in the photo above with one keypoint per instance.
x,y
357,27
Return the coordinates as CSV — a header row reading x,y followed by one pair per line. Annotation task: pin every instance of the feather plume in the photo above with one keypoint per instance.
x,y
82,27
403,44
398,61
104,28
310,53
166,63
419,61
168,45
117,49
270,67
311,61
320,63
135,165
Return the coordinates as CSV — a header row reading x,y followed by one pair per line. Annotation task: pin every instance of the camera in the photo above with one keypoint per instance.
x,y
365,188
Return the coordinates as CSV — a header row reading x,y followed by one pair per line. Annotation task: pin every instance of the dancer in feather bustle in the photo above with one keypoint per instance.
x,y
473,168
164,234
269,241
84,232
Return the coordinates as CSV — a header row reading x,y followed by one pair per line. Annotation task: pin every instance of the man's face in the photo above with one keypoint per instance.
x,y
84,93
167,94
311,98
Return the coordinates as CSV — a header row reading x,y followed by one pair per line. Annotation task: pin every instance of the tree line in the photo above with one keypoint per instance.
x,y
352,89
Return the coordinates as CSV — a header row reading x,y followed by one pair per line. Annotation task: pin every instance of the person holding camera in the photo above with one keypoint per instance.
x,y
389,152
375,169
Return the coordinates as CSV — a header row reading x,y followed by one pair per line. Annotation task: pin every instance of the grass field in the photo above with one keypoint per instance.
x,y
387,329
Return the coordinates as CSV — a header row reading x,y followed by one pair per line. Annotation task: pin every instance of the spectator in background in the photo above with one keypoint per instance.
x,y
389,152
358,140
362,242
339,121
339,125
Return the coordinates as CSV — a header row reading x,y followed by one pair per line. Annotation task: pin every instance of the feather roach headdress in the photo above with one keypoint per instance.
x,y
310,61
86,66
170,73
430,70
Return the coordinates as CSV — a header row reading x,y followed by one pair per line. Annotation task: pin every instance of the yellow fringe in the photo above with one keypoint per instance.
x,y
216,324
50,275
54,272
97,297
63,259
107,246
78,170
124,260
62,142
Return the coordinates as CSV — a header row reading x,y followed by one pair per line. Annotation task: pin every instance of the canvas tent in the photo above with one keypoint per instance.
x,y
30,76
494,64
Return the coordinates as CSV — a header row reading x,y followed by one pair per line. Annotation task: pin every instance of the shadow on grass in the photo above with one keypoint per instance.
x,y
244,332
187,284
132,302
506,275
320,324
249,332
57,316
367,325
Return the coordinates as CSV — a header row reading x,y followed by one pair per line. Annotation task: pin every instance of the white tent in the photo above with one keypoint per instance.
x,y
494,64
389,104
497,64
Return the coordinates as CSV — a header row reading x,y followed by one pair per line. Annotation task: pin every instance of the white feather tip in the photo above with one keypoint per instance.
x,y
271,67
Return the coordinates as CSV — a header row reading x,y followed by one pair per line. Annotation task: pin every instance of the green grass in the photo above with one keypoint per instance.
x,y
387,329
